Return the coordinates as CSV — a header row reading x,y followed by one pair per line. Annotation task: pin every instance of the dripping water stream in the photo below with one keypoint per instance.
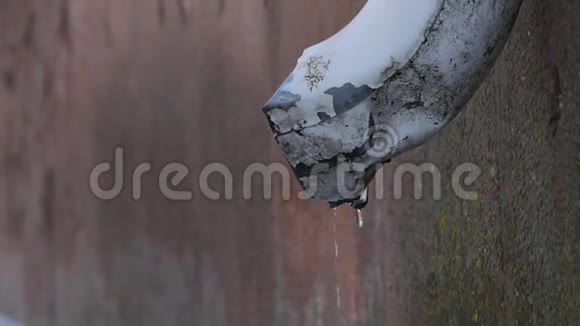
x,y
360,223
336,273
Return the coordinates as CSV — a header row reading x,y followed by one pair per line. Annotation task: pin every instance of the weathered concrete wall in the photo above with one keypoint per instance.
x,y
510,257
183,81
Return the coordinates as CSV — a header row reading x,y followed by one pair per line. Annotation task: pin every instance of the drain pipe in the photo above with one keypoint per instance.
x,y
398,73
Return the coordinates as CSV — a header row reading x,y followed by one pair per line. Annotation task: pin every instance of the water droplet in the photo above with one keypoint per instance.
x,y
336,254
359,218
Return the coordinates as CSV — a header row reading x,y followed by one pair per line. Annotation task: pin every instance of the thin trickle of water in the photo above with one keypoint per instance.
x,y
336,254
359,218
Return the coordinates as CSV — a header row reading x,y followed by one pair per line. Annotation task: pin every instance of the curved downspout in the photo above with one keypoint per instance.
x,y
359,113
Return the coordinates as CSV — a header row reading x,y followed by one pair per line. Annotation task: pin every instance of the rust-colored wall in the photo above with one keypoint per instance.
x,y
184,80
169,81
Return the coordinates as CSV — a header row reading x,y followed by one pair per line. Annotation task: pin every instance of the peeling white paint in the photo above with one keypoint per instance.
x,y
361,54
384,34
